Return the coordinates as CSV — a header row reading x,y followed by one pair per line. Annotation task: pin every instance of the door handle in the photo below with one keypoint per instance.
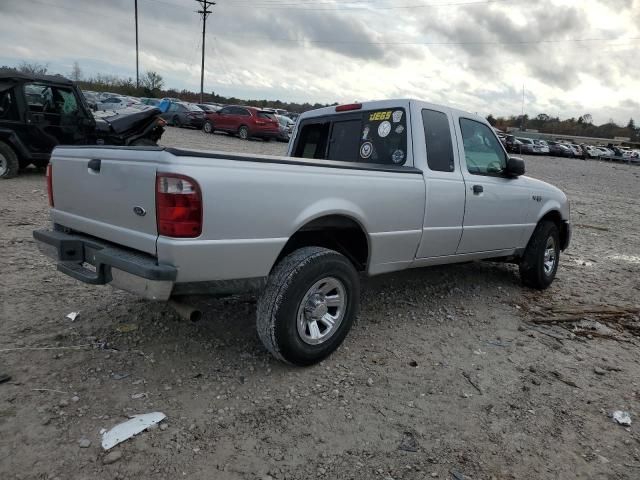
x,y
478,189
94,165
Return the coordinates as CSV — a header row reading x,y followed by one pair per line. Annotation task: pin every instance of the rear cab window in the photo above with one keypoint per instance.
x,y
367,136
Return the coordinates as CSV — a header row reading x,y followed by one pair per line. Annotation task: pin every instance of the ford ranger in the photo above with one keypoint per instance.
x,y
366,188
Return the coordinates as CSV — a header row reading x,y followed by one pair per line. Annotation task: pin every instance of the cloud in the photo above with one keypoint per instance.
x,y
475,57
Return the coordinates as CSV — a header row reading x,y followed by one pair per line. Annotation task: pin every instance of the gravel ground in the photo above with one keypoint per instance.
x,y
445,375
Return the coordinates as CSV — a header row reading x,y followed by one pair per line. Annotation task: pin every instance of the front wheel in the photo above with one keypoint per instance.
x,y
207,127
243,132
539,263
176,122
308,306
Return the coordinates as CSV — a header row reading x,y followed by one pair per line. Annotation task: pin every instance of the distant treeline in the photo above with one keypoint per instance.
x,y
582,126
152,85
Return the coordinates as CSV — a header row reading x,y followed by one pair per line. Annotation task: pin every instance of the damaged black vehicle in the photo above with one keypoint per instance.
x,y
38,112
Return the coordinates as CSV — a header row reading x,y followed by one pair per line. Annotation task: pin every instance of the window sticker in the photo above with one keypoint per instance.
x,y
365,133
366,149
377,116
397,157
399,129
397,116
384,129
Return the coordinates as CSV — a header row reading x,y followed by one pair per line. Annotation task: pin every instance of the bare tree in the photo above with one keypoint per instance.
x,y
587,118
34,68
152,81
76,72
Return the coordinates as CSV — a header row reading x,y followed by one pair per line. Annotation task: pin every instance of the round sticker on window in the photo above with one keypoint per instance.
x,y
399,129
397,157
397,116
366,149
384,129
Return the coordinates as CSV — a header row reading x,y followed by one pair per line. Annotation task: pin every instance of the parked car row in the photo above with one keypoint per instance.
x,y
245,122
529,146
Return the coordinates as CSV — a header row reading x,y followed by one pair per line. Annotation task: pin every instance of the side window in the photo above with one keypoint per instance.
x,y
8,108
69,104
482,150
243,112
173,107
437,136
225,111
39,97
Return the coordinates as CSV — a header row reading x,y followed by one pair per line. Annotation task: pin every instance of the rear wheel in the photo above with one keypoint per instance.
x,y
539,263
308,306
9,164
176,121
207,127
243,132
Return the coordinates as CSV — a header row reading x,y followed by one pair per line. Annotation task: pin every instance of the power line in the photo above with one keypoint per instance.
x,y
431,44
331,6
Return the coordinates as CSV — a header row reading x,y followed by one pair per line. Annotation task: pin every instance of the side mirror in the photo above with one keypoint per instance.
x,y
515,167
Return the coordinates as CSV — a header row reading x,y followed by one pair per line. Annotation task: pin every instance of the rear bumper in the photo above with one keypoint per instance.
x,y
100,263
265,133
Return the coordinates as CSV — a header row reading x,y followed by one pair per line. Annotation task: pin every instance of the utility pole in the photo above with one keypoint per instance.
x,y
137,68
205,13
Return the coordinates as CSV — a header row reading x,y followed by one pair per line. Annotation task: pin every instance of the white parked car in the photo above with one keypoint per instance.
x,y
113,103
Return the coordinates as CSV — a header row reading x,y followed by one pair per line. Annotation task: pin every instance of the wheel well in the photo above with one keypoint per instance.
x,y
556,218
335,232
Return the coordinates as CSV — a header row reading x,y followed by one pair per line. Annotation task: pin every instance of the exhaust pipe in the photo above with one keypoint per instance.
x,y
186,312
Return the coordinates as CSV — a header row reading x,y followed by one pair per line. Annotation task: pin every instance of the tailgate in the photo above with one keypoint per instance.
x,y
107,193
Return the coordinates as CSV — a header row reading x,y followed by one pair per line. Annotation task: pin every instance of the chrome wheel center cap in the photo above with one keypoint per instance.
x,y
316,308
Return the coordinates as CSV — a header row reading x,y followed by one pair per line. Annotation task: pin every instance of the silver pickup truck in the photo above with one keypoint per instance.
x,y
366,188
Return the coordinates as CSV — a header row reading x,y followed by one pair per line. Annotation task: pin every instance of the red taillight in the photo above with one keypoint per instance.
x,y
178,206
50,183
350,106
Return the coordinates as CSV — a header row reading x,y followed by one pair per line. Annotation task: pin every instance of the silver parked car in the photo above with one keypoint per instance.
x,y
366,188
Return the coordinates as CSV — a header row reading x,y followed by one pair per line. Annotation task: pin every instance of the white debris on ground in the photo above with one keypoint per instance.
x,y
130,428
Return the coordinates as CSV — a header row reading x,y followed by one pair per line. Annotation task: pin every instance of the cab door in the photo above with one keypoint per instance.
x,y
496,205
445,190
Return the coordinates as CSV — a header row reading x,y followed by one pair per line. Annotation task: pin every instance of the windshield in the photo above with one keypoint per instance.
x,y
193,108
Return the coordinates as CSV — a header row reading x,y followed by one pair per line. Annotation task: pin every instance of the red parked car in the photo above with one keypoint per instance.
x,y
246,122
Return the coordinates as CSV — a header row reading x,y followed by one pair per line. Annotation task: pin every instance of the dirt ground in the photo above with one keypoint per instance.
x,y
446,374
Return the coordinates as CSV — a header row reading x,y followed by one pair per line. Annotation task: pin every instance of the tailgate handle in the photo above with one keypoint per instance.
x,y
94,164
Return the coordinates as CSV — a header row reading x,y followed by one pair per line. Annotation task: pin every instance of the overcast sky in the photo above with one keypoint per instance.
x,y
572,56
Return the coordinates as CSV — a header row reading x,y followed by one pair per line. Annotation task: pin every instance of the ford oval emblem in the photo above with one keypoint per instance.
x,y
141,212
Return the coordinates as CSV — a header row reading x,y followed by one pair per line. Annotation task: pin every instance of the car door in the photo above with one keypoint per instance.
x,y
496,206
445,188
243,117
223,118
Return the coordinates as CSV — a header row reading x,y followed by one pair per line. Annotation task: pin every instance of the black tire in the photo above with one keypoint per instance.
x,y
280,304
176,122
143,142
9,163
532,265
243,132
207,127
